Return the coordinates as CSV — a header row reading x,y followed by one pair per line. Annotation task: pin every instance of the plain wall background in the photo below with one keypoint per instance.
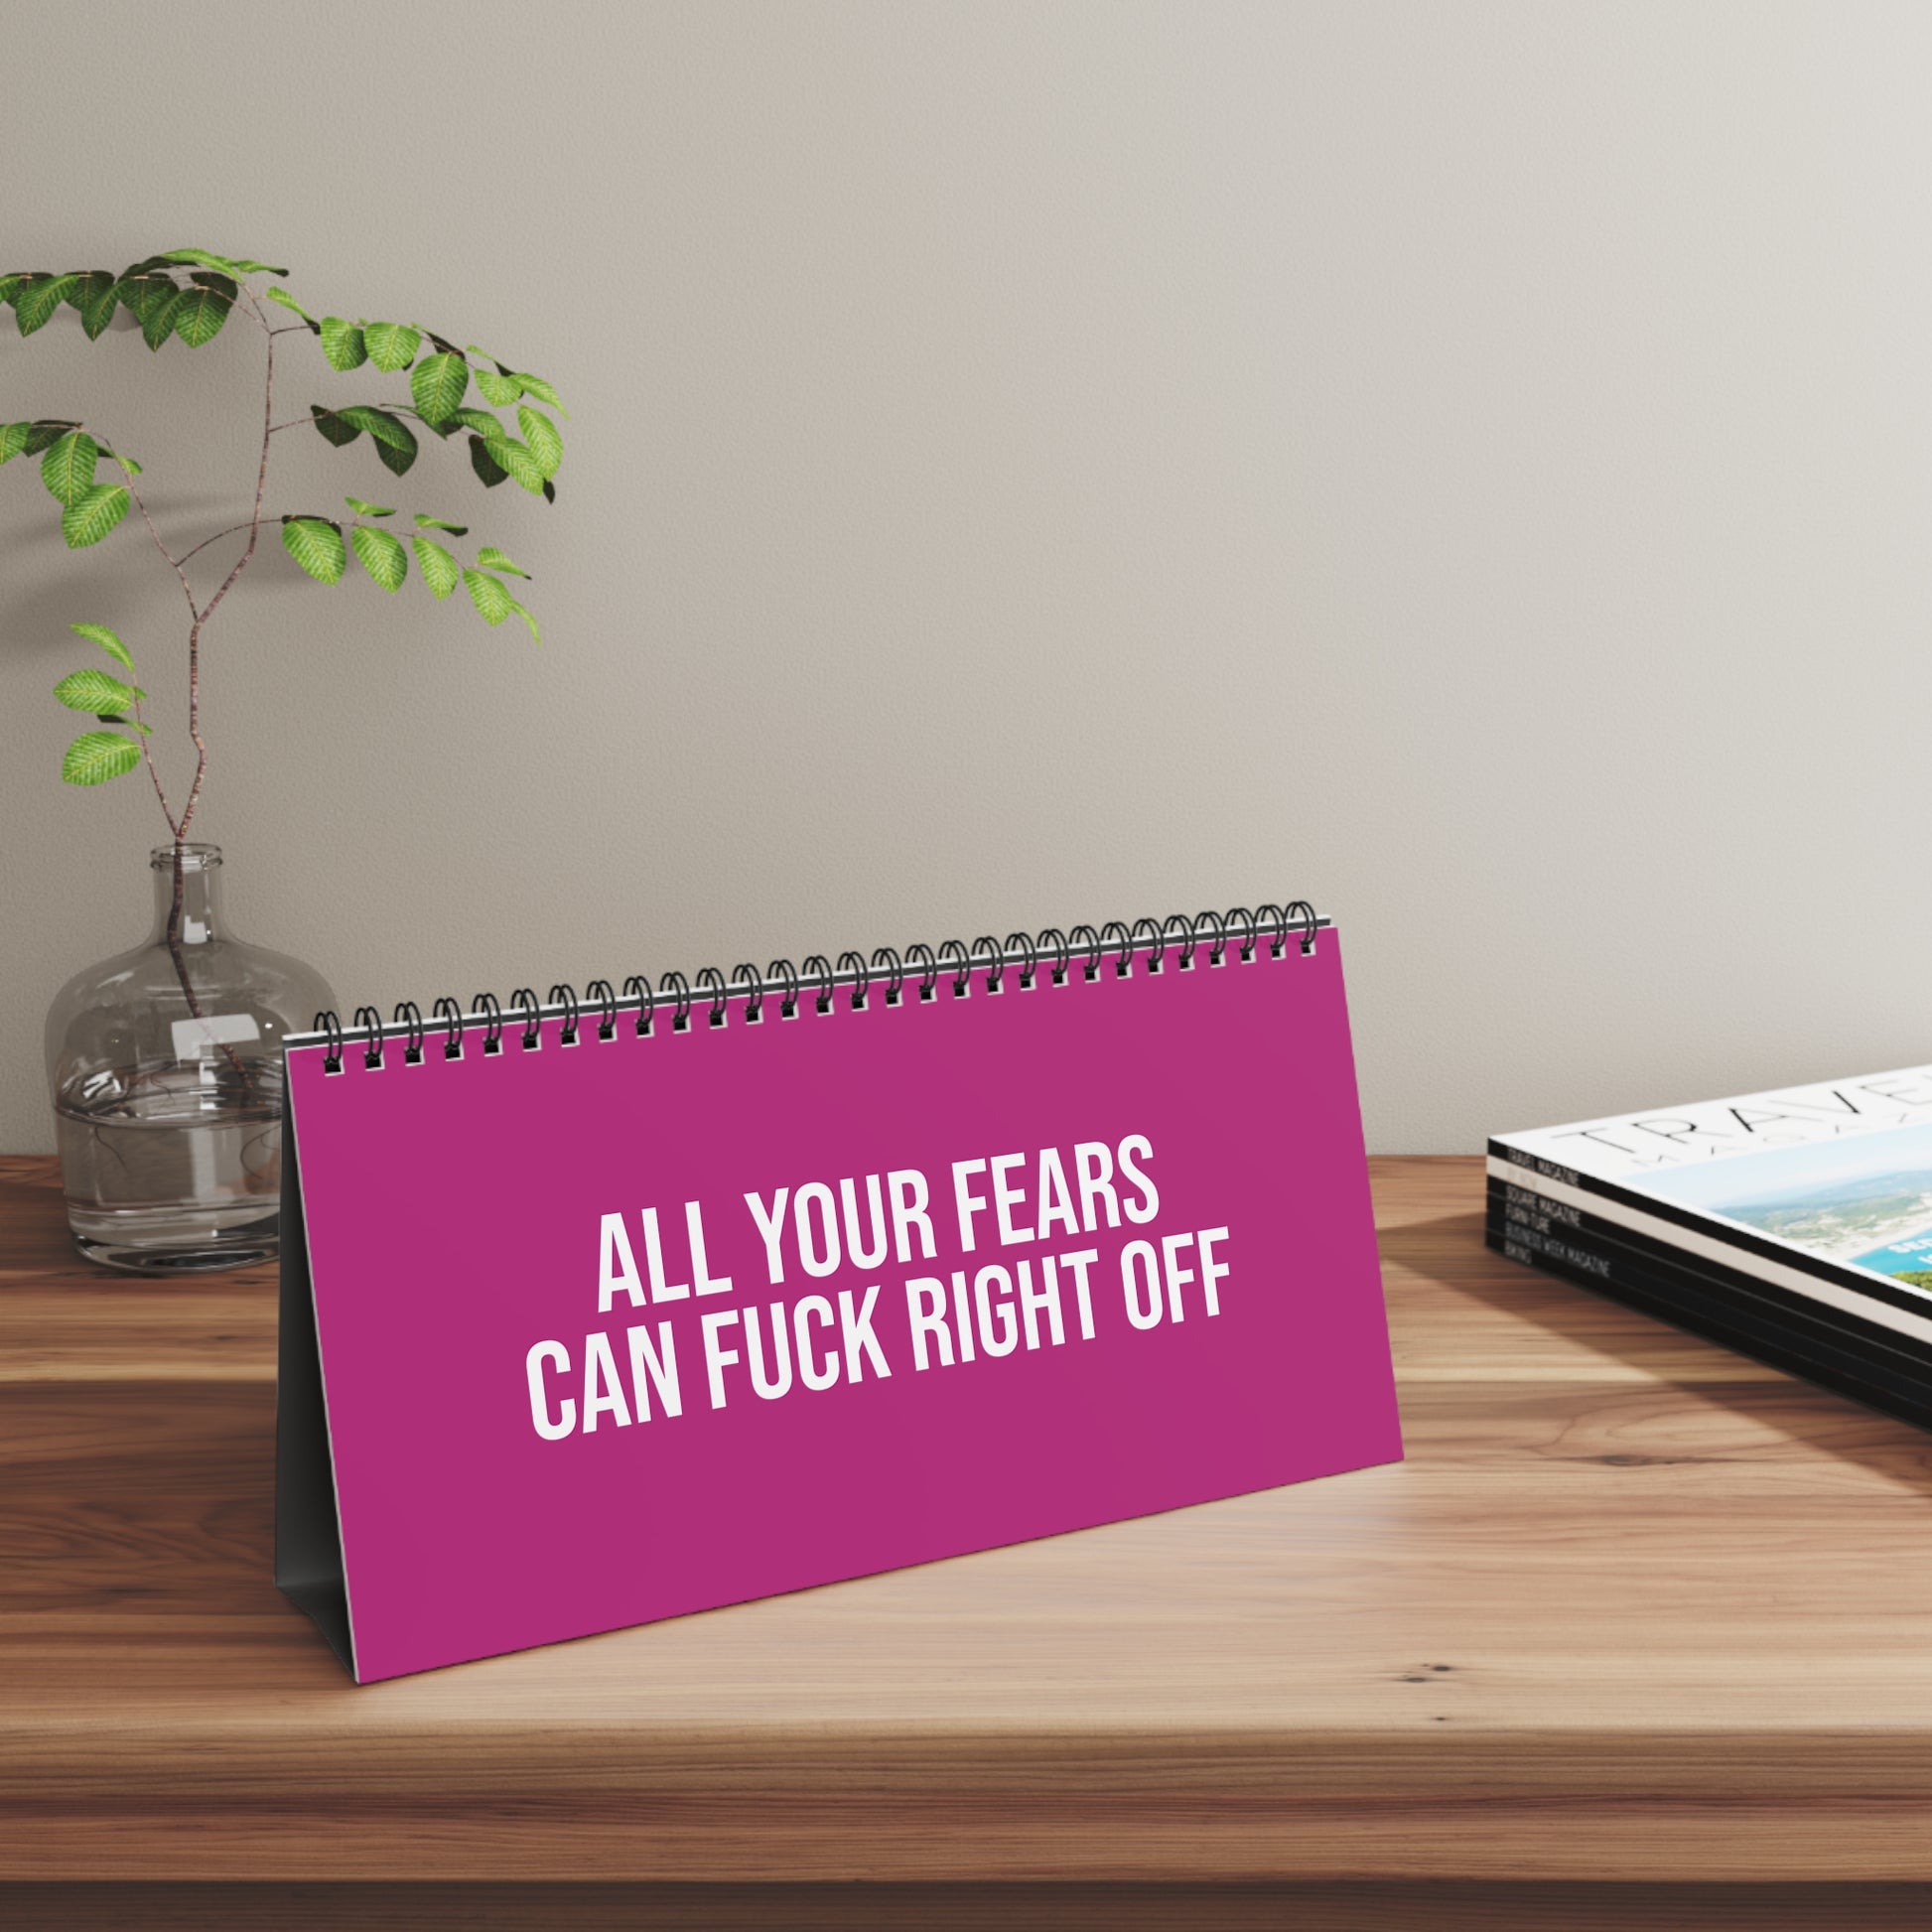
x,y
1467,464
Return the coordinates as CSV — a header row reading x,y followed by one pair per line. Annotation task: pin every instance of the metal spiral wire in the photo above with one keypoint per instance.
x,y
1238,936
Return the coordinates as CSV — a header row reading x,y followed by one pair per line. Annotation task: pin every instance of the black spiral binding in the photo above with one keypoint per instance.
x,y
1238,933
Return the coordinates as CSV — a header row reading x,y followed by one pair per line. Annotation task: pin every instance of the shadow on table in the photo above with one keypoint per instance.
x,y
1450,1251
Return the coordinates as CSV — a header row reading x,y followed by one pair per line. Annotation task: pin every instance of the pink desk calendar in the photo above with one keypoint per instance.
x,y
595,1312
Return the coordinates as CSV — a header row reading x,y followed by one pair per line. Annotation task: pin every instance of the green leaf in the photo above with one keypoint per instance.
x,y
490,558
90,519
534,385
485,465
439,568
285,299
366,509
394,443
96,757
10,285
540,432
343,343
382,555
332,426
36,302
199,315
94,296
536,636
159,322
437,523
480,420
317,546
384,426
48,431
133,724
497,389
397,457
67,469
200,256
549,491
518,462
141,291
439,384
98,634
94,691
487,593
127,463
229,265
392,345
13,439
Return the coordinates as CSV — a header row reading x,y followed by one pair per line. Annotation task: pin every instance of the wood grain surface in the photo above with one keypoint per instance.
x,y
1634,1609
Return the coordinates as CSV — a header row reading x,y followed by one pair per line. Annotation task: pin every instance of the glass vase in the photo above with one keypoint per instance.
x,y
165,1065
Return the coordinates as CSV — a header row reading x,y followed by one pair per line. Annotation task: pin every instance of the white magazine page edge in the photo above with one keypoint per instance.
x,y
1847,1300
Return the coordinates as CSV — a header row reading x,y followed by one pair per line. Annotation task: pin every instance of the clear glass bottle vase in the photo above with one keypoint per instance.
x,y
165,1065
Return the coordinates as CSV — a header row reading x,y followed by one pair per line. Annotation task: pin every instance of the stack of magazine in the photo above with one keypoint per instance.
x,y
1795,1226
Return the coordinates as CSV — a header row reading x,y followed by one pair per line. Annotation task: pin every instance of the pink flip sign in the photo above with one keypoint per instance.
x,y
601,1330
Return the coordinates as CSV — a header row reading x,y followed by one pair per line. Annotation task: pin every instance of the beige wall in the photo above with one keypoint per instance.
x,y
1470,465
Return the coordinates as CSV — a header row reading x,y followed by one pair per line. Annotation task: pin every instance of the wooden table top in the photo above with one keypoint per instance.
x,y
1633,1606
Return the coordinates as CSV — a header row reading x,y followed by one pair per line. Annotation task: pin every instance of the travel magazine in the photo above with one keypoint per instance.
x,y
1795,1225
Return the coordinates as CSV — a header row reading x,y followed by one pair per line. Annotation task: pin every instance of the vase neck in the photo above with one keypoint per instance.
x,y
200,921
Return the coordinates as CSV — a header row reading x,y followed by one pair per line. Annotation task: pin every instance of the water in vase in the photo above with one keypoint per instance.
x,y
165,1065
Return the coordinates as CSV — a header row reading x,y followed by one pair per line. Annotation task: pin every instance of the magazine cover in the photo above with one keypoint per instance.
x,y
1842,1173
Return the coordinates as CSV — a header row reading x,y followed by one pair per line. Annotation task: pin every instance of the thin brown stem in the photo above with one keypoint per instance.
x,y
200,617
174,934
174,953
174,563
154,771
178,828
227,583
254,526
215,538
147,750
194,728
194,688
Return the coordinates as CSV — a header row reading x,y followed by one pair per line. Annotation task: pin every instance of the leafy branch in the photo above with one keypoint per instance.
x,y
187,295
316,543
